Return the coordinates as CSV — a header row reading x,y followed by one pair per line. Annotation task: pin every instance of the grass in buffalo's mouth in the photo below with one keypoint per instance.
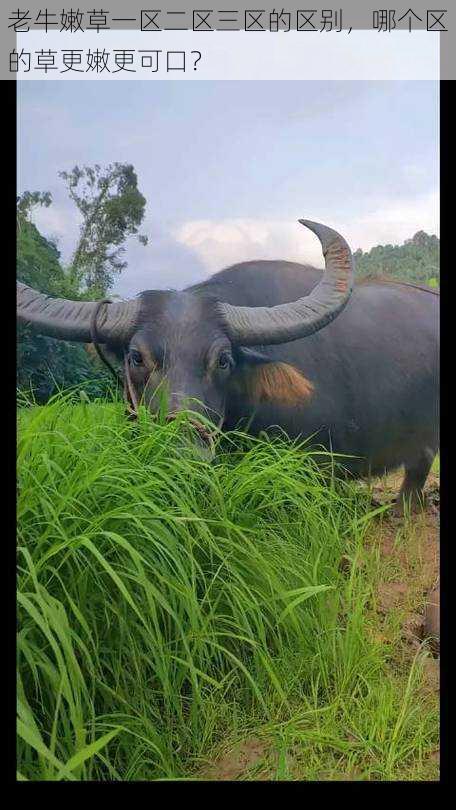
x,y
169,607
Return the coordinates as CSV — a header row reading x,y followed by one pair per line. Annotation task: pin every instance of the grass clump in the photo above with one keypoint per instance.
x,y
168,605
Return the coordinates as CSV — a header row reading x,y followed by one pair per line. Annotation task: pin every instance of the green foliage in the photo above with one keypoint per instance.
x,y
417,260
166,604
27,201
44,364
112,209
37,261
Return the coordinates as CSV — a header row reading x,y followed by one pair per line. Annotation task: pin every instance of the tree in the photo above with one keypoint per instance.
x,y
112,209
26,202
45,364
417,260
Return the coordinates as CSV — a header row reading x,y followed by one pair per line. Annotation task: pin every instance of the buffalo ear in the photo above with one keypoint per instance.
x,y
249,357
111,351
115,351
260,379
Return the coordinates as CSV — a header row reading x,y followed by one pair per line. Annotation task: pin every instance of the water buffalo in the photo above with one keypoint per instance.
x,y
269,343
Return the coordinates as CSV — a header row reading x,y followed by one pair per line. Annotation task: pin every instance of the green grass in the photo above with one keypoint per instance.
x,y
170,607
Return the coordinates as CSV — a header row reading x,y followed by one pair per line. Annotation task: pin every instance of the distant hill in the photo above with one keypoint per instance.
x,y
418,260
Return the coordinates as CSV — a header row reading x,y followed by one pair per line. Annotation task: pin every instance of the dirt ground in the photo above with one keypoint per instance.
x,y
234,764
410,551
407,592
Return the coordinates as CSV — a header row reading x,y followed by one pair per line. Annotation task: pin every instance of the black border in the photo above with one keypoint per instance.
x,y
8,399
446,545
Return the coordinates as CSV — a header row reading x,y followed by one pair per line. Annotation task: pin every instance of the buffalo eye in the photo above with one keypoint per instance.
x,y
225,360
135,358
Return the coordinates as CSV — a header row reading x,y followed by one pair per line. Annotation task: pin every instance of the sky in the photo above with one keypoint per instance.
x,y
227,168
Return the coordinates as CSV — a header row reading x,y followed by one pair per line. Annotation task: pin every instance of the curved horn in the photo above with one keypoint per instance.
x,y
251,326
70,320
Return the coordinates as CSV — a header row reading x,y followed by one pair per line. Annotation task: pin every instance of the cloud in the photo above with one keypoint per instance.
x,y
162,264
60,224
177,258
392,223
219,243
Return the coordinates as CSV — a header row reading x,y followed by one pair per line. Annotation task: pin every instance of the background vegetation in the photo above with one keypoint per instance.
x,y
417,260
111,209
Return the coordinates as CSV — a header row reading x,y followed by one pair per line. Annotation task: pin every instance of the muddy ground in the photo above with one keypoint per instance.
x,y
405,599
411,549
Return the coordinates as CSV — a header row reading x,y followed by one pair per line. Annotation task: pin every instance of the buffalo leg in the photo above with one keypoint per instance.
x,y
411,492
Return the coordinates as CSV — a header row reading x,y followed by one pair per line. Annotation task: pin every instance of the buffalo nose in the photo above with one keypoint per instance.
x,y
204,444
177,402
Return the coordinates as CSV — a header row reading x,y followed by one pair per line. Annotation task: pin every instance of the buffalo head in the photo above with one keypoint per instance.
x,y
194,347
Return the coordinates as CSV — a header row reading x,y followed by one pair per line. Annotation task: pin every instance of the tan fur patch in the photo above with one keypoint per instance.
x,y
275,382
91,351
93,355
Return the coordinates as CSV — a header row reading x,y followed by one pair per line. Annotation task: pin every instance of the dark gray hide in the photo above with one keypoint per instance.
x,y
374,369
